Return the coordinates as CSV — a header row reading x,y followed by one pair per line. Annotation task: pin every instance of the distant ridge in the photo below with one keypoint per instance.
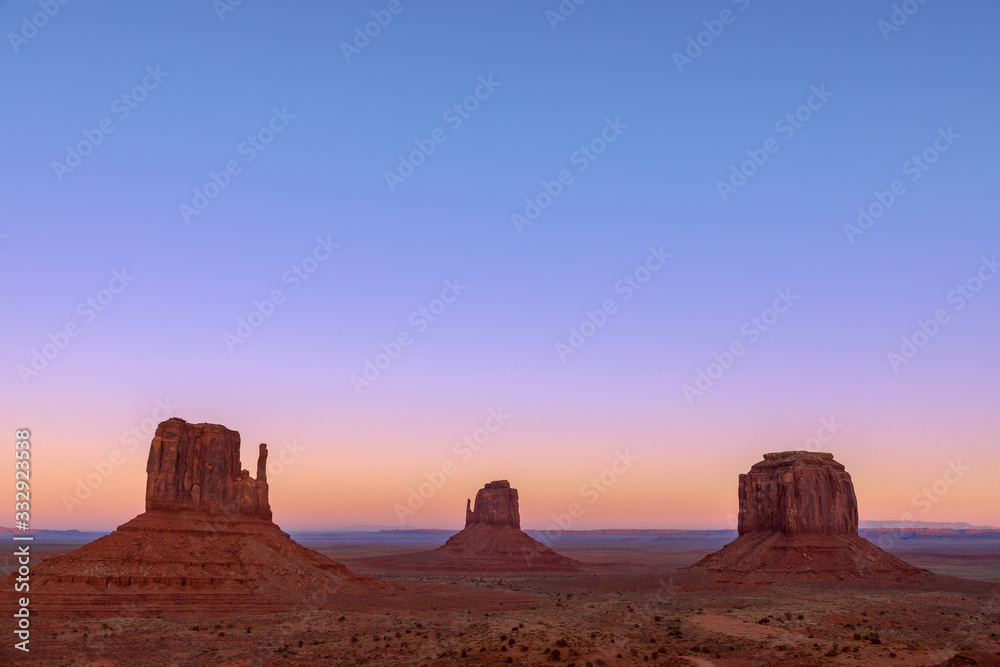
x,y
953,525
90,535
73,536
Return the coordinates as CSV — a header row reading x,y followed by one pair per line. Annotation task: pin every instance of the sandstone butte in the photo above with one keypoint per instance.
x,y
493,540
205,544
798,519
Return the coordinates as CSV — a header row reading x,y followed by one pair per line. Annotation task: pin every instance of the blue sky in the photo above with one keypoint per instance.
x,y
345,124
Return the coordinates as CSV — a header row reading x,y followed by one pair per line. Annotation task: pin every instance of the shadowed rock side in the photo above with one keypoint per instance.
x,y
205,545
799,520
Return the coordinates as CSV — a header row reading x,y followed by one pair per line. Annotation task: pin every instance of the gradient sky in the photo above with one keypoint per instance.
x,y
351,458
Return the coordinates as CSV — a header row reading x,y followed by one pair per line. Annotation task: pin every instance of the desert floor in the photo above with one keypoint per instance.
x,y
626,608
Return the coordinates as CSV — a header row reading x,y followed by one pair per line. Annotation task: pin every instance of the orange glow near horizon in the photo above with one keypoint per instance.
x,y
326,483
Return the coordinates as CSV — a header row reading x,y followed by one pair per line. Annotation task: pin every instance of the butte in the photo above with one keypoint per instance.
x,y
798,520
205,545
492,541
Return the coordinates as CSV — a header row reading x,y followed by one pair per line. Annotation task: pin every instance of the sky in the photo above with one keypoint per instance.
x,y
611,252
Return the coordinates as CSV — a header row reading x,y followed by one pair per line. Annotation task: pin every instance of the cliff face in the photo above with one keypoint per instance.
x,y
798,492
496,505
197,467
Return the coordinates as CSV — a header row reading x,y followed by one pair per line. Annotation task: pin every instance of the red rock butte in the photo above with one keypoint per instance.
x,y
205,544
799,520
496,505
493,540
197,467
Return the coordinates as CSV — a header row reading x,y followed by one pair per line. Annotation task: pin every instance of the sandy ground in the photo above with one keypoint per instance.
x,y
626,609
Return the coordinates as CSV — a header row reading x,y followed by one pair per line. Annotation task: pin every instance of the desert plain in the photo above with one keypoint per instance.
x,y
624,607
